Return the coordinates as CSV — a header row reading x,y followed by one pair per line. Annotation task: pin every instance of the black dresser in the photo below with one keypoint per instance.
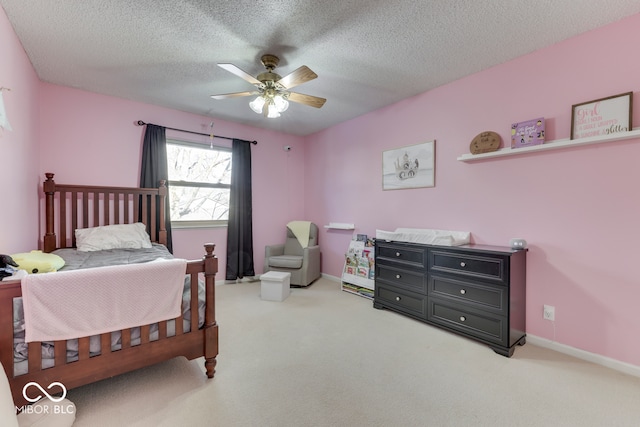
x,y
477,291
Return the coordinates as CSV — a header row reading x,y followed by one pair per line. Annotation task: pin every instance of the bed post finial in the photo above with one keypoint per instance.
x,y
49,188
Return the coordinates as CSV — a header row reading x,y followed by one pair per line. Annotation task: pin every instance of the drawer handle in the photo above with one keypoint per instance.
x,y
398,276
397,253
398,298
462,318
463,291
463,264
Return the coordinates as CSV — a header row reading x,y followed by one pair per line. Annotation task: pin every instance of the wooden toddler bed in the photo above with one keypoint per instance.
x,y
70,207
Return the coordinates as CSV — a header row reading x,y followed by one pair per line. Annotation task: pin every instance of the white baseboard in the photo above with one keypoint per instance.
x,y
598,359
332,278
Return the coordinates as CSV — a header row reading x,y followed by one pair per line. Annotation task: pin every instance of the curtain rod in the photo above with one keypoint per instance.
x,y
141,123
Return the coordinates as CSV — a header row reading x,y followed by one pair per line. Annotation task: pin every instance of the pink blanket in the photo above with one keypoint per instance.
x,y
80,303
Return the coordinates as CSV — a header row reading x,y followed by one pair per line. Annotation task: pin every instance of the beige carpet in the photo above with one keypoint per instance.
x,y
324,357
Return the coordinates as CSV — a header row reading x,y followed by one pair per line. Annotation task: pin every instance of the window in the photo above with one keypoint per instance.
x,y
199,184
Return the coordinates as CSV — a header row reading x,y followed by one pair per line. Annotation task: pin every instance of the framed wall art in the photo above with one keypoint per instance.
x,y
409,167
602,116
527,133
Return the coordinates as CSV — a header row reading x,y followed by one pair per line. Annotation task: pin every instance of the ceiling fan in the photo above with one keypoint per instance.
x,y
273,90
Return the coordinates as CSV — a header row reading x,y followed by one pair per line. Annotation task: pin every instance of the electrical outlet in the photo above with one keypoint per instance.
x,y
549,312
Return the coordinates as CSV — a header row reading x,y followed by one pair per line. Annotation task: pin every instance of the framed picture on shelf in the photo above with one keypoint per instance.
x,y
527,133
409,167
602,116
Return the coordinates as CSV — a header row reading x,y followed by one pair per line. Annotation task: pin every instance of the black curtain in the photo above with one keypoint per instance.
x,y
240,231
154,169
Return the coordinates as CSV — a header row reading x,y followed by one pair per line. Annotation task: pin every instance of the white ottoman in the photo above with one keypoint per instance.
x,y
274,285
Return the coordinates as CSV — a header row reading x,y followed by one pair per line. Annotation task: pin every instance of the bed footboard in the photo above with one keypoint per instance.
x,y
148,350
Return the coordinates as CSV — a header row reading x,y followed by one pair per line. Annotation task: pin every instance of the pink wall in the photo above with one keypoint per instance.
x,y
92,139
19,148
578,208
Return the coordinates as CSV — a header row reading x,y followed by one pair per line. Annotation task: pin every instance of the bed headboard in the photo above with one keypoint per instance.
x,y
68,207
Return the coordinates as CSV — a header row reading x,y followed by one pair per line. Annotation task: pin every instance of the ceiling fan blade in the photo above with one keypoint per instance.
x,y
312,101
238,72
297,77
234,95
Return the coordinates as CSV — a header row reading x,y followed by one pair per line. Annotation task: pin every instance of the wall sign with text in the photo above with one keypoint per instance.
x,y
602,117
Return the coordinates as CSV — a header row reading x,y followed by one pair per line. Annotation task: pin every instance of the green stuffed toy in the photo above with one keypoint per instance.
x,y
38,262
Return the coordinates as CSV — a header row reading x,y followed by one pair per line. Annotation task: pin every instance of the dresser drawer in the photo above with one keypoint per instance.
x,y
485,297
475,323
413,256
469,264
415,281
402,300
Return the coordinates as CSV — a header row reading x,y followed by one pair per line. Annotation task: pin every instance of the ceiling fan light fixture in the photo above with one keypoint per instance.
x,y
273,112
257,104
280,103
274,105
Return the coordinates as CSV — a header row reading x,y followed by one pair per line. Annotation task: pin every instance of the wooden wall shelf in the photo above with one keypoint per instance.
x,y
552,145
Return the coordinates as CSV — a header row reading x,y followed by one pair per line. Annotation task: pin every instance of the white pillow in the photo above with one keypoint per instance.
x,y
120,236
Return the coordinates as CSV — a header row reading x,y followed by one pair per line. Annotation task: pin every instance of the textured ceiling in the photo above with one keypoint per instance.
x,y
367,54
